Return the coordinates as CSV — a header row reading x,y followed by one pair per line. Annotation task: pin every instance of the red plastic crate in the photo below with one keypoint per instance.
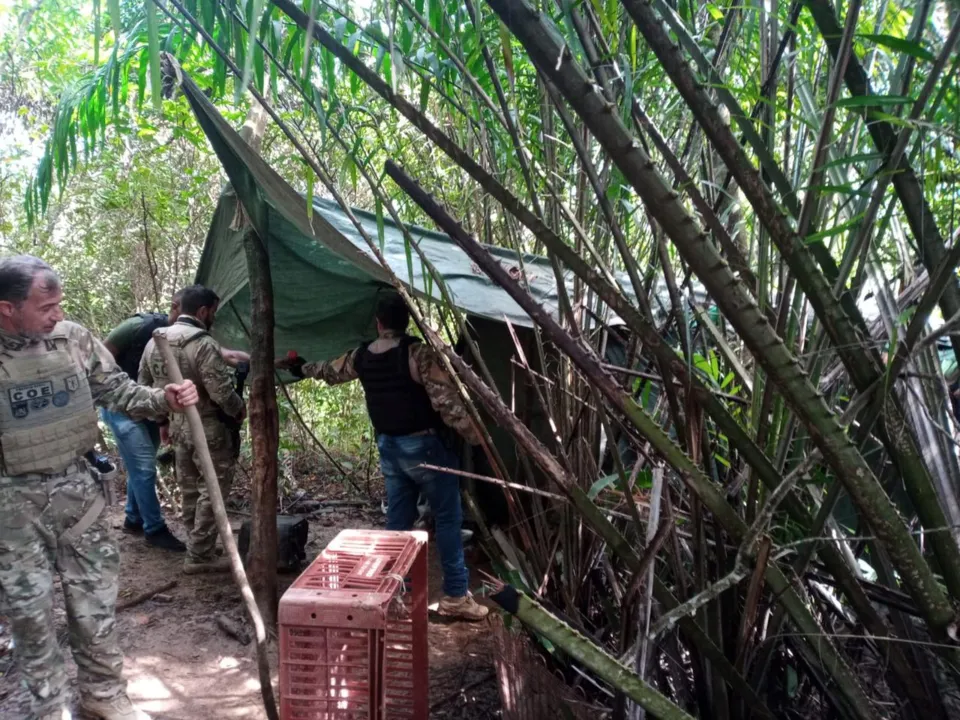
x,y
353,634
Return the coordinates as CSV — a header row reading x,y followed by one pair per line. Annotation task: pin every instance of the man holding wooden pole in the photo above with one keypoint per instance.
x,y
53,374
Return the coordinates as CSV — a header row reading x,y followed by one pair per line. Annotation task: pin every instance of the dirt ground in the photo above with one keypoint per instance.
x,y
181,666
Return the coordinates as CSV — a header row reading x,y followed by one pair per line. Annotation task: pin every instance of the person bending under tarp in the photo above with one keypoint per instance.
x,y
410,398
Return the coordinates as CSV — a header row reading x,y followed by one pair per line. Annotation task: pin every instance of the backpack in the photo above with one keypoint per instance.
x,y
129,357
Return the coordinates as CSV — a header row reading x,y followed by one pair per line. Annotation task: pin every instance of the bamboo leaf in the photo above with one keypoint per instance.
x,y
859,101
96,33
424,93
846,189
901,45
207,16
308,176
853,160
381,234
273,42
836,230
408,251
888,118
645,394
220,67
507,52
715,12
329,73
436,16
308,42
142,78
258,67
406,36
253,23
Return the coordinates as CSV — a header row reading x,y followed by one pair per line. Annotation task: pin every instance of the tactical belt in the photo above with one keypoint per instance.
x,y
73,533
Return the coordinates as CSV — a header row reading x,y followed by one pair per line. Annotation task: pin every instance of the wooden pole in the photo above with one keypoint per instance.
x,y
264,428
226,534
264,425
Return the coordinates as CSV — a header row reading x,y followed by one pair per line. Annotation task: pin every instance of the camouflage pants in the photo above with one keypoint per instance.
x,y
197,511
34,513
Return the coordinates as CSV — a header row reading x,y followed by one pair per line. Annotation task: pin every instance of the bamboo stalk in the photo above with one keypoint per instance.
x,y
695,479
730,295
544,623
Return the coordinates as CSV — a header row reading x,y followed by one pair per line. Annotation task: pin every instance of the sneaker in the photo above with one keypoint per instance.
x,y
165,540
463,608
132,528
118,708
216,565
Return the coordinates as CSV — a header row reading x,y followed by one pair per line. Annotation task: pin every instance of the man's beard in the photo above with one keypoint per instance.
x,y
29,335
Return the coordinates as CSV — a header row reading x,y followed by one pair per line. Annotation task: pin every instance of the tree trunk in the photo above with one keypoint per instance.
x,y
264,426
263,420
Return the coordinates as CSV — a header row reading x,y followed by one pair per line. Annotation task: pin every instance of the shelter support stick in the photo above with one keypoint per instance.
x,y
264,419
226,534
264,431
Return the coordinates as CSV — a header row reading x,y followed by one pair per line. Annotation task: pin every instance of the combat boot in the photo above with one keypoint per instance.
x,y
118,708
199,567
462,608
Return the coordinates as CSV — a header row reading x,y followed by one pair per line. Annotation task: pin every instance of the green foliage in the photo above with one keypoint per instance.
x,y
120,197
337,415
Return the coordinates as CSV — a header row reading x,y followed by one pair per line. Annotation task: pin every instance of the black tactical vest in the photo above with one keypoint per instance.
x,y
397,404
129,357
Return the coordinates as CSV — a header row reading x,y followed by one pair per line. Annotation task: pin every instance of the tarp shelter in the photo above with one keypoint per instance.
x,y
326,280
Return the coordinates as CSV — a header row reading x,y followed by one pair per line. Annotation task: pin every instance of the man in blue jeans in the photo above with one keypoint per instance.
x,y
138,441
410,398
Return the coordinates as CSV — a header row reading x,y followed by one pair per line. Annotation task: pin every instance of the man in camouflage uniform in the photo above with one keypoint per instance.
x,y
410,397
201,360
52,373
139,441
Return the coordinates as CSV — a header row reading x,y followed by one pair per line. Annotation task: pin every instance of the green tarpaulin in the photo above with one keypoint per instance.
x,y
325,278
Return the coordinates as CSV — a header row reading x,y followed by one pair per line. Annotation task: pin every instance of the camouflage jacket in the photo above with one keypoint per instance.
x,y
200,360
109,385
425,368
